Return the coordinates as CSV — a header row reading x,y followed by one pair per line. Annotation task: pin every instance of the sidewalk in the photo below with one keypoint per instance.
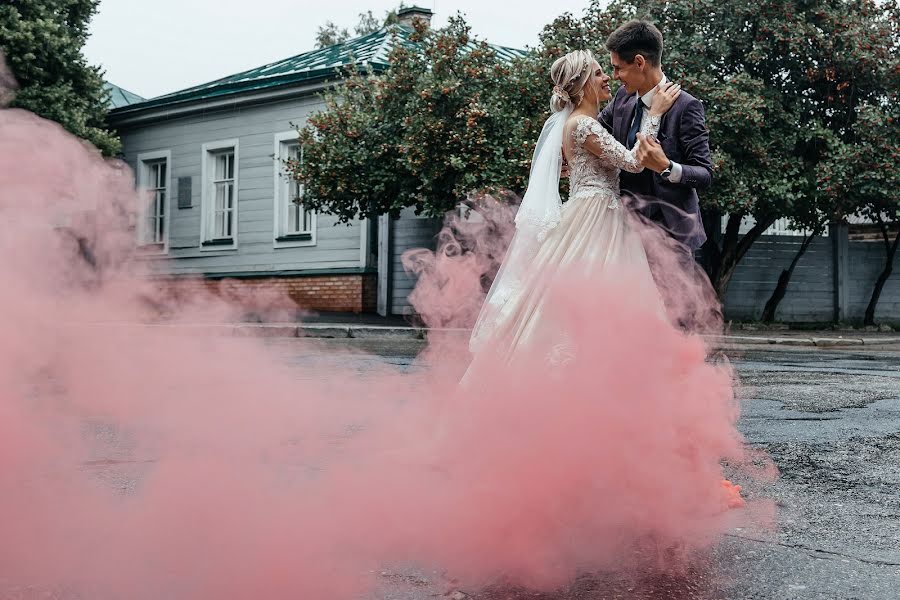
x,y
340,325
819,339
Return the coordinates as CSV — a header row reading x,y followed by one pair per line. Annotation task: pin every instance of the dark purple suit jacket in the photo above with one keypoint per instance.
x,y
685,139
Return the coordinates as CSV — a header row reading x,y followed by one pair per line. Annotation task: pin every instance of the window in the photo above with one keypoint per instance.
x,y
220,195
299,220
294,224
156,213
153,214
223,192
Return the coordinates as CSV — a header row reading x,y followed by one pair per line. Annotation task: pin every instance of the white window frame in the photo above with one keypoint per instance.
x,y
207,194
144,162
282,186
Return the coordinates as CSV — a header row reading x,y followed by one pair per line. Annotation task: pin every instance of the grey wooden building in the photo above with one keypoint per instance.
x,y
219,205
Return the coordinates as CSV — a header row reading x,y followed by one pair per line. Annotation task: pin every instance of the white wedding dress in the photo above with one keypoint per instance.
x,y
590,234
574,349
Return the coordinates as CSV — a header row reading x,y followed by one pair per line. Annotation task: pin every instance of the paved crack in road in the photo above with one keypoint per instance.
x,y
814,550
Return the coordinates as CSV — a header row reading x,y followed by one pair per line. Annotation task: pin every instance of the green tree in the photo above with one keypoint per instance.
x,y
865,168
43,41
369,23
811,214
450,117
857,117
782,78
330,34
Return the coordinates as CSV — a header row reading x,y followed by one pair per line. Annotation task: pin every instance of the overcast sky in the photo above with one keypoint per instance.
x,y
151,48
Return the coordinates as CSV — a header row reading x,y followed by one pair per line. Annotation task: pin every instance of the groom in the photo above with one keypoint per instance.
x,y
678,163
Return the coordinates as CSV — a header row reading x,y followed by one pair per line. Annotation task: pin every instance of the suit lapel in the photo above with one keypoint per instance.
x,y
663,123
624,121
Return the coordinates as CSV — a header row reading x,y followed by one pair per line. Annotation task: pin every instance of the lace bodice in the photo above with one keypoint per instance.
x,y
598,158
594,166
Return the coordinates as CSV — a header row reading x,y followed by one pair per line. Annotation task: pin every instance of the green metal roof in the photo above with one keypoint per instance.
x,y
119,97
373,49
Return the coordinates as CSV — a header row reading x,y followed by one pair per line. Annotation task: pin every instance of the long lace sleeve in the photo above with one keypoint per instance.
x,y
594,138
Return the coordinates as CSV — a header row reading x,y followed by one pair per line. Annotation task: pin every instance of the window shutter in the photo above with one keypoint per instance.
x,y
184,192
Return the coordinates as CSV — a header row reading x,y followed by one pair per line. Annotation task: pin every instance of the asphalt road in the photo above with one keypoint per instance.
x,y
830,420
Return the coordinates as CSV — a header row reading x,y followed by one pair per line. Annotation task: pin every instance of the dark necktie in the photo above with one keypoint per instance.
x,y
635,125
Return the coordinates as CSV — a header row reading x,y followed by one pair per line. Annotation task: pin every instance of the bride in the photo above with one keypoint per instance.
x,y
589,233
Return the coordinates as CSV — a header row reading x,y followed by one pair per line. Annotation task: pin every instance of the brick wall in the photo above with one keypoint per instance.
x,y
354,293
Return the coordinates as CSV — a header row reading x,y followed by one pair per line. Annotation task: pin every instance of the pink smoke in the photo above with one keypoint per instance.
x,y
625,443
140,461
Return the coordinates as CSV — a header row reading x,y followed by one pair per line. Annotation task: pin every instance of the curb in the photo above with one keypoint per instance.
x,y
389,332
264,330
817,342
361,332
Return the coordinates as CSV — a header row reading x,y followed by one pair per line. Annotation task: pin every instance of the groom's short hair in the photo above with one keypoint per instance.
x,y
637,37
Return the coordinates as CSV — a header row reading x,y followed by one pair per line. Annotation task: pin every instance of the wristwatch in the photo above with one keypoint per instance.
x,y
666,172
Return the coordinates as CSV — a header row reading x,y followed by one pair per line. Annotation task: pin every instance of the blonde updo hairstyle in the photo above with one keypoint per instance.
x,y
569,75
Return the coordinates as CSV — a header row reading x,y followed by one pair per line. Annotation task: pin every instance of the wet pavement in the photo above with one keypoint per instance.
x,y
830,420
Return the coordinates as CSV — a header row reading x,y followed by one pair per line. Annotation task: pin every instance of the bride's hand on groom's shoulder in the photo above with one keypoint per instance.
x,y
664,98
